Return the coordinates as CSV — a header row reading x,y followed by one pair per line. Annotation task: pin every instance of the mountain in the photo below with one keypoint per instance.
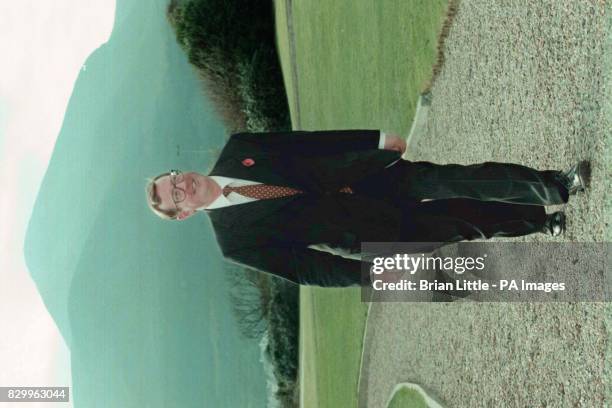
x,y
141,302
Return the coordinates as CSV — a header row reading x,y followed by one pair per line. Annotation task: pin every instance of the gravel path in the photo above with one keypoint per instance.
x,y
523,82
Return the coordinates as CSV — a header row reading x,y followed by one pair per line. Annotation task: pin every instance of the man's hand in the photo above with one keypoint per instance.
x,y
394,142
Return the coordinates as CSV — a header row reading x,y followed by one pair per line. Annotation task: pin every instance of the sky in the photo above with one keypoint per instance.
x,y
44,45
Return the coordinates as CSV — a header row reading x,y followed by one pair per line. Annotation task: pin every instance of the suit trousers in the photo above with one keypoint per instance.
x,y
465,202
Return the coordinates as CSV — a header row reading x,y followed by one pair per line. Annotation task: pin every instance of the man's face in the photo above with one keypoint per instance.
x,y
194,191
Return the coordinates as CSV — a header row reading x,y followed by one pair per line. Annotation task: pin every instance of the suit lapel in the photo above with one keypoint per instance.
x,y
253,167
247,213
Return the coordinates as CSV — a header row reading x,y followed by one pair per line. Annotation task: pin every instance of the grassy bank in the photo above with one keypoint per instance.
x,y
358,63
349,64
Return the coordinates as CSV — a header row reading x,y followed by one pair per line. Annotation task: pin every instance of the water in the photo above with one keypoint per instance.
x,y
141,302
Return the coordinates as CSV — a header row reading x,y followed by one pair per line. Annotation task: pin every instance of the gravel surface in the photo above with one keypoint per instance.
x,y
523,82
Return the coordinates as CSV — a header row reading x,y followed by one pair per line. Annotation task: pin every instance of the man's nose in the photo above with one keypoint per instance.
x,y
189,185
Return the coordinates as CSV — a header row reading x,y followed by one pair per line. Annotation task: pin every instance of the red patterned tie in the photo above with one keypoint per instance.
x,y
265,191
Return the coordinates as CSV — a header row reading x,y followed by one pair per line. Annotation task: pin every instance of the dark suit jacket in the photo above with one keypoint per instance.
x,y
273,235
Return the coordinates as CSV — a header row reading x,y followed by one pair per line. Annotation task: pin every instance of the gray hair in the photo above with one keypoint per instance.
x,y
153,200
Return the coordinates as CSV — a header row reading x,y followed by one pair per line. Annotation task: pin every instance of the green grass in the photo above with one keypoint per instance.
x,y
282,45
331,334
360,64
406,398
409,395
308,369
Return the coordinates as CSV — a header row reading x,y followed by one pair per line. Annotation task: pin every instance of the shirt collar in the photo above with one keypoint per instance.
x,y
222,200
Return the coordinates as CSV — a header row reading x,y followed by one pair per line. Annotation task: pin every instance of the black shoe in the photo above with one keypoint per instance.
x,y
577,178
554,224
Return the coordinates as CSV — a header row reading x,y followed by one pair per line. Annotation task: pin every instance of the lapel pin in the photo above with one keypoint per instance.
x,y
248,162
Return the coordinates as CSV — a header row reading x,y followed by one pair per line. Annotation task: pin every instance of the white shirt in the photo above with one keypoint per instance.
x,y
234,198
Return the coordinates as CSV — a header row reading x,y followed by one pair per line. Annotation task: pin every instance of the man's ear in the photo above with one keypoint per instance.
x,y
184,214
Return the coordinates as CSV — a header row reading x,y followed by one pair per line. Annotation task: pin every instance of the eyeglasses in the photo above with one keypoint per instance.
x,y
178,194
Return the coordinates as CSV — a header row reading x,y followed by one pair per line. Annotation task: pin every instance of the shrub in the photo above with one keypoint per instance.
x,y
232,46
267,307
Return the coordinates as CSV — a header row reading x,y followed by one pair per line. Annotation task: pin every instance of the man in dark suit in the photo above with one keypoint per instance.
x,y
277,199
